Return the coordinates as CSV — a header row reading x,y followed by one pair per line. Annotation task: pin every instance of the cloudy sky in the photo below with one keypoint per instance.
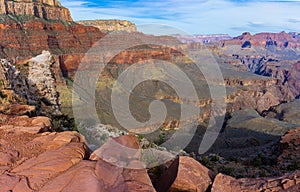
x,y
196,16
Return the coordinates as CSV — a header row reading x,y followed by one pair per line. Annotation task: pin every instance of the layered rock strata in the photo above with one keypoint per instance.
x,y
111,25
46,9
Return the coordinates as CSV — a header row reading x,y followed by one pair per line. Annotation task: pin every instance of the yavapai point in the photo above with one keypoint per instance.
x,y
45,147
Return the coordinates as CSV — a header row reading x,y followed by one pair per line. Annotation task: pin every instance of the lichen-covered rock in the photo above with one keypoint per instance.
x,y
41,76
12,78
38,87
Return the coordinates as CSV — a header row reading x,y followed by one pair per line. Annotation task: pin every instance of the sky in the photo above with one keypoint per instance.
x,y
231,17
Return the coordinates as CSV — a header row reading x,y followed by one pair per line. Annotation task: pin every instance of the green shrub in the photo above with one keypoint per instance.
x,y
205,161
293,165
226,170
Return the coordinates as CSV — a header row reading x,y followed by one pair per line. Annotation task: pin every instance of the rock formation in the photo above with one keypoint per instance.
x,y
189,175
15,80
41,75
110,25
46,9
290,150
38,87
289,182
22,40
286,112
280,40
32,159
203,38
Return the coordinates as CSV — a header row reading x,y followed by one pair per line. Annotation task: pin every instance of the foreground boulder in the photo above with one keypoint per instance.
x,y
120,150
288,182
189,176
55,162
29,159
50,164
100,175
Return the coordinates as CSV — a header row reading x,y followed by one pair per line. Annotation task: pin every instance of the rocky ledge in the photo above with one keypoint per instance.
x,y
110,25
51,161
46,9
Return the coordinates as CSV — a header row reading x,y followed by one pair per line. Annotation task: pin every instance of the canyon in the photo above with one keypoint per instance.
x,y
41,48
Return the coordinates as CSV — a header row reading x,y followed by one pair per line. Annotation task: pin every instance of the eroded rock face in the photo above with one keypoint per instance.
x,y
46,9
110,25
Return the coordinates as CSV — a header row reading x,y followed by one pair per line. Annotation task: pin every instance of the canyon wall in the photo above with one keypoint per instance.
x,y
21,40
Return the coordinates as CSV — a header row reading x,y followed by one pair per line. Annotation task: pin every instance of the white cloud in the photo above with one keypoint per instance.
x,y
198,16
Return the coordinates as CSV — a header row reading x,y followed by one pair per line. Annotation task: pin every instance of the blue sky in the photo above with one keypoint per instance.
x,y
196,16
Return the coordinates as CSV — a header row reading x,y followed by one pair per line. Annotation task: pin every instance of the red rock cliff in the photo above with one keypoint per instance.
x,y
46,9
21,40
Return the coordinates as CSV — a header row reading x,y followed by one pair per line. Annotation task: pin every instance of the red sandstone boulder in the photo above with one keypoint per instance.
x,y
79,178
50,164
121,150
55,140
185,174
99,176
14,183
224,183
24,124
